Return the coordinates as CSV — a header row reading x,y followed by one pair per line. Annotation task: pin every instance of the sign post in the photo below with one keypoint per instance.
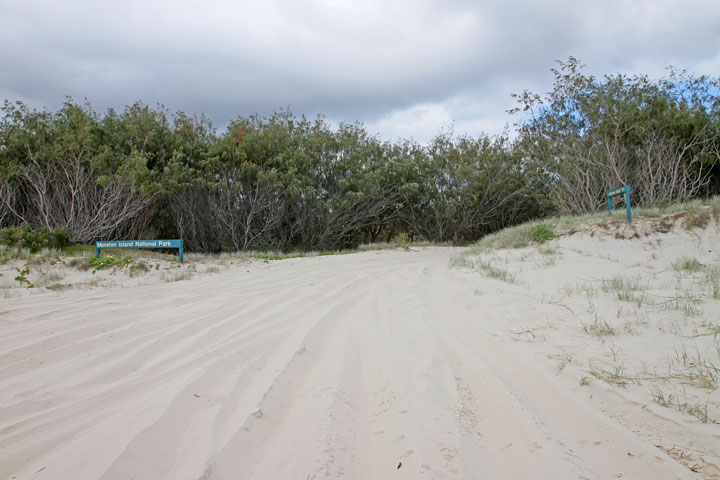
x,y
178,243
620,191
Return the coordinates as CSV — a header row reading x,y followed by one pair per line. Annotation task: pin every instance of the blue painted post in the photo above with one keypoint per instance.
x,y
97,252
182,245
627,203
619,191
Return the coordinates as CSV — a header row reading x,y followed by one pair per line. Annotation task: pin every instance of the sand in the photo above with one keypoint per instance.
x,y
375,365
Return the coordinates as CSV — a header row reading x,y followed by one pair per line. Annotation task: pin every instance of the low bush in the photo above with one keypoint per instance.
x,y
108,261
34,240
541,233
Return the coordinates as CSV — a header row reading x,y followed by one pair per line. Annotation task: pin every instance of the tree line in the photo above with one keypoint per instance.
x,y
287,182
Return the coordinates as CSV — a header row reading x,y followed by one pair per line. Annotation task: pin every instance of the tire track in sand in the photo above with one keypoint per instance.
x,y
329,367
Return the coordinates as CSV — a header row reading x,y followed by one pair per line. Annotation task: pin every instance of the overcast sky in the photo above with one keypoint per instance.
x,y
403,68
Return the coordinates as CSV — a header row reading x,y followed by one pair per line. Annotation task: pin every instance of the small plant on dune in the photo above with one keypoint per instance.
x,y
179,276
494,272
518,236
548,250
698,411
580,288
541,233
687,264
714,204
687,302
138,267
713,328
49,276
81,263
563,359
691,310
627,289
108,261
22,278
8,254
712,280
616,376
695,370
620,284
599,328
696,216
628,296
530,331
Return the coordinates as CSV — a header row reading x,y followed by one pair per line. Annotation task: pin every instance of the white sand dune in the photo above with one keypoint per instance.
x,y
374,365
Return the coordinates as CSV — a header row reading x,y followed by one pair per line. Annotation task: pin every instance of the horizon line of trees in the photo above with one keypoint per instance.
x,y
287,182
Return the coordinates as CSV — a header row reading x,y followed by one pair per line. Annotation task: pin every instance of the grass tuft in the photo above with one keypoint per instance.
x,y
698,411
494,272
541,233
599,328
712,280
687,264
696,217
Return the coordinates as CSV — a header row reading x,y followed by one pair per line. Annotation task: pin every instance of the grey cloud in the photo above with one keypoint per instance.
x,y
352,60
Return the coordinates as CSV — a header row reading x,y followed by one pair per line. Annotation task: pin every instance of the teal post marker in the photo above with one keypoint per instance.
x,y
627,203
625,190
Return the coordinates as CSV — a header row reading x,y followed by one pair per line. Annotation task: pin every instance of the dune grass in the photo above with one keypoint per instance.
x,y
675,307
696,213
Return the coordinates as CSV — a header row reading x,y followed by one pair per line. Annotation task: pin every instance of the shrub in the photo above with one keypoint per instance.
x,y
108,261
61,237
34,240
541,233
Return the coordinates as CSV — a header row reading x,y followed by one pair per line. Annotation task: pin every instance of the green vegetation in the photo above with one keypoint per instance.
x,y
287,183
674,308
616,376
22,279
696,218
688,264
596,134
108,261
621,284
599,328
627,289
541,233
519,236
493,271
278,183
712,279
699,411
25,236
580,288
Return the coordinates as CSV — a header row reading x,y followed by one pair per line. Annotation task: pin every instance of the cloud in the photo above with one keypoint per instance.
x,y
396,66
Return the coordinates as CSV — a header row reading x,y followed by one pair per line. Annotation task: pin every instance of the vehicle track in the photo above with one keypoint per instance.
x,y
367,366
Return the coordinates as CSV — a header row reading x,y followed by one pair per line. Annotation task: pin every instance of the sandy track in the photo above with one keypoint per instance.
x,y
329,367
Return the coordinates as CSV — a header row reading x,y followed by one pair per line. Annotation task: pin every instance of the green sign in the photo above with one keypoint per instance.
x,y
620,191
140,244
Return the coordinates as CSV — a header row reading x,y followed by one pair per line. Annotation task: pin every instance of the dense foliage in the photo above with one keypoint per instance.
x,y
34,240
589,136
288,182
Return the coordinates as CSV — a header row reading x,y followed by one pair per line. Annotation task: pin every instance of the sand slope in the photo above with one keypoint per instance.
x,y
327,367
